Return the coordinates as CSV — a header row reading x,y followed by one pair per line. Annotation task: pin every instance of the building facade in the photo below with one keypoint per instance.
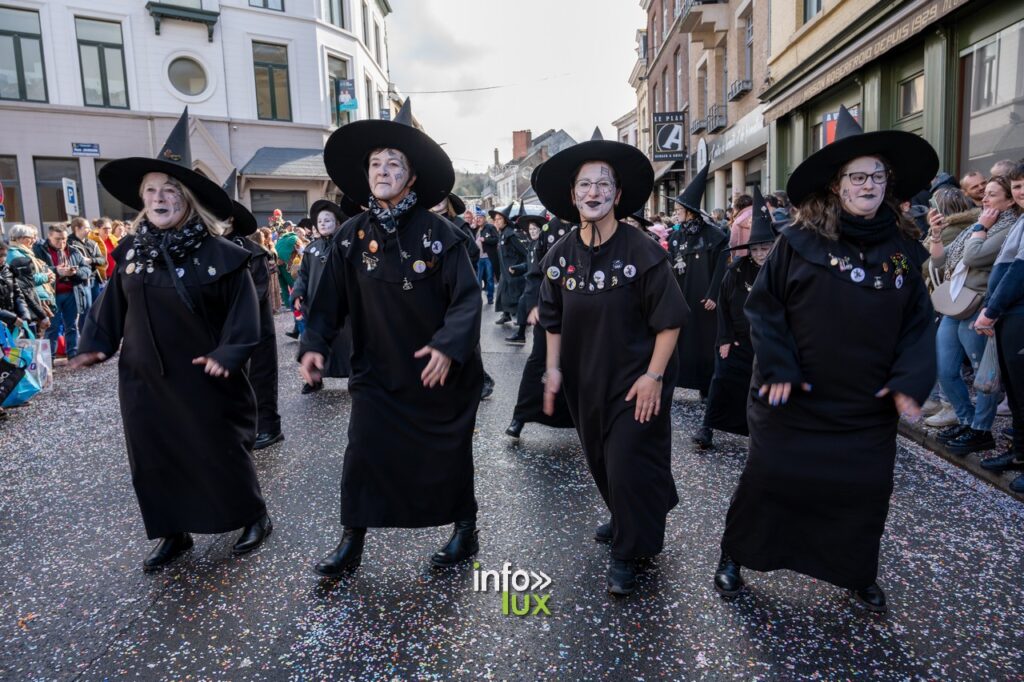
x,y
949,70
511,180
83,84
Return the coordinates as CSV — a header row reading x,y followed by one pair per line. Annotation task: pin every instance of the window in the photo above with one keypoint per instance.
x,y
334,12
187,76
748,47
101,51
51,190
273,99
377,54
657,98
268,4
368,85
725,76
21,56
702,89
664,18
366,25
680,88
292,204
811,9
382,102
992,83
679,7
337,70
12,193
911,96
109,206
667,105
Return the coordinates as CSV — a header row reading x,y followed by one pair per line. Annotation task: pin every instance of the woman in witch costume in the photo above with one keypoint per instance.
x,y
612,312
401,277
727,398
327,217
695,249
525,228
184,303
844,279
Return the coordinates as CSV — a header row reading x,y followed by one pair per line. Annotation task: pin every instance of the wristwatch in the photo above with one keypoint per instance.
x,y
978,227
656,377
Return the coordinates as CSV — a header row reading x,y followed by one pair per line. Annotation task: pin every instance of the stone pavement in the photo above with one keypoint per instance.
x,y
74,603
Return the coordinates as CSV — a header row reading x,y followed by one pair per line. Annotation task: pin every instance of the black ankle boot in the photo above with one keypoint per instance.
x,y
346,556
166,551
604,533
703,438
463,544
253,535
871,597
728,581
621,577
514,428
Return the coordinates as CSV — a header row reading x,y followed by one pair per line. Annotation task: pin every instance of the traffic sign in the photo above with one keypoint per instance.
x,y
70,197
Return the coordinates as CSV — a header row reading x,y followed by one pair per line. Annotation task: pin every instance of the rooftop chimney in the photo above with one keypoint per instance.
x,y
521,140
496,161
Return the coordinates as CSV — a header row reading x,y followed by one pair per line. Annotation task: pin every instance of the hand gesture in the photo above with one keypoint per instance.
x,y
533,318
723,350
709,304
647,392
211,367
778,394
988,218
552,385
311,367
984,324
905,405
437,367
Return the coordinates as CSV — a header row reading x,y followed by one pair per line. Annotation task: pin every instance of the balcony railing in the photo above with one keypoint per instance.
x,y
697,125
692,10
739,88
716,117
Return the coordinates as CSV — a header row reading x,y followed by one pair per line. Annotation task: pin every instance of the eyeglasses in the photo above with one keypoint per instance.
x,y
603,186
858,179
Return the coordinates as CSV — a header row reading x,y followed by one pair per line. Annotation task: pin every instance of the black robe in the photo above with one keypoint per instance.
x,y
513,254
530,401
307,284
263,365
189,435
727,397
695,259
608,305
814,494
409,460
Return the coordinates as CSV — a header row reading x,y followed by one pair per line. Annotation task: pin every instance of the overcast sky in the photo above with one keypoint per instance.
x,y
566,62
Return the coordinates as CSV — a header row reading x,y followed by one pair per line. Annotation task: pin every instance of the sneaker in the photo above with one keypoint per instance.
x,y
1008,461
931,406
1003,410
1017,484
950,432
971,440
945,417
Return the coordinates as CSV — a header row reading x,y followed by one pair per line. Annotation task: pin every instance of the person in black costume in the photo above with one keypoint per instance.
x,y
697,249
327,217
844,342
263,366
183,301
726,408
530,401
400,275
612,312
524,240
508,270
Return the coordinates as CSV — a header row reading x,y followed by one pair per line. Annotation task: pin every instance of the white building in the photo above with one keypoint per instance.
x,y
84,83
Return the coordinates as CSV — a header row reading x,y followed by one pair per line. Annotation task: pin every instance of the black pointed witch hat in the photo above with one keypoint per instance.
x,y
639,217
123,177
912,161
457,204
524,219
327,205
505,213
693,194
596,134
243,222
761,230
347,155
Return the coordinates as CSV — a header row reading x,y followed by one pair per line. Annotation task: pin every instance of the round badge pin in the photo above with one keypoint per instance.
x,y
598,276
591,287
180,272
373,246
899,281
553,272
561,261
419,267
361,234
629,271
857,275
616,265
211,271
436,247
130,254
551,239
570,284
130,269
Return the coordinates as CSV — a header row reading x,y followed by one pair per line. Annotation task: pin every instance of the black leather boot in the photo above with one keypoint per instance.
x,y
604,533
253,535
514,428
266,439
346,556
463,544
703,438
166,551
312,388
621,577
728,581
871,597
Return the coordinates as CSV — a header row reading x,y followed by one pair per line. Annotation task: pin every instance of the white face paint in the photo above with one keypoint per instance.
x,y
594,192
861,200
163,202
534,231
441,208
390,175
759,252
326,223
680,215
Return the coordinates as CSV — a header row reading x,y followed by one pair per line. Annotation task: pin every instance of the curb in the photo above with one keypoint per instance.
x,y
921,435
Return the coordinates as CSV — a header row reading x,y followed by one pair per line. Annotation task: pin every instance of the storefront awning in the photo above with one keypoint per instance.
x,y
287,163
664,168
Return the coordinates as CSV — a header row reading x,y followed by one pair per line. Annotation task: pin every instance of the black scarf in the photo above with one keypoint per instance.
x,y
692,227
386,217
170,247
869,231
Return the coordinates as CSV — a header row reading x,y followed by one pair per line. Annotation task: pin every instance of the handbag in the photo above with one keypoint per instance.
x,y
987,379
953,299
15,358
41,366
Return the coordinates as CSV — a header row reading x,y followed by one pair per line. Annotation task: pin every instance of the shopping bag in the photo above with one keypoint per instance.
x,y
986,379
10,377
27,386
41,365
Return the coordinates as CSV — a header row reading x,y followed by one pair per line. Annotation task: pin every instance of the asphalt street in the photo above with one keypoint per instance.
x,y
75,604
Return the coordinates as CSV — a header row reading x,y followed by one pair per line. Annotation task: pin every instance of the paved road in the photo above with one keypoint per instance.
x,y
74,603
